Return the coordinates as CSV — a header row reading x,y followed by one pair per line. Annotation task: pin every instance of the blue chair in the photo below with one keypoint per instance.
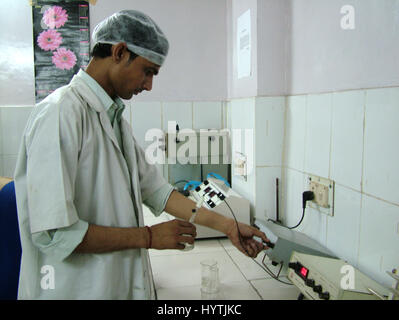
x,y
10,244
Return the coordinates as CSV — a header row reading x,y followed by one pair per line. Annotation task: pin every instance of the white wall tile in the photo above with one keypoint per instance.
x,y
246,189
207,115
318,133
343,228
181,112
314,223
242,124
228,124
381,156
145,116
347,138
243,113
379,239
265,207
269,130
1,166
225,114
242,130
295,130
292,186
12,126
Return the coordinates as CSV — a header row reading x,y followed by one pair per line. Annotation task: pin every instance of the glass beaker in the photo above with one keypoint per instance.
x,y
209,276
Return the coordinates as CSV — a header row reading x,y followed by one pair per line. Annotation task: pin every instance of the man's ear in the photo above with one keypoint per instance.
x,y
118,51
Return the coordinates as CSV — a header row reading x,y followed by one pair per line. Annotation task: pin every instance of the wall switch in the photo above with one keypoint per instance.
x,y
323,190
240,165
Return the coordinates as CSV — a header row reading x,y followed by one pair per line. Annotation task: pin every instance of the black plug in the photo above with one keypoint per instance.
x,y
307,195
269,244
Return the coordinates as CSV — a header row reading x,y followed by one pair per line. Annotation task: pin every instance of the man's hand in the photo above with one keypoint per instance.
x,y
171,234
251,246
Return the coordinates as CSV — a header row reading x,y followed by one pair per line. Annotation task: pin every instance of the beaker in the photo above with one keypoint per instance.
x,y
209,276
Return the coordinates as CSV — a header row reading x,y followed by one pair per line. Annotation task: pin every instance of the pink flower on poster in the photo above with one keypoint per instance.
x,y
55,17
64,59
49,40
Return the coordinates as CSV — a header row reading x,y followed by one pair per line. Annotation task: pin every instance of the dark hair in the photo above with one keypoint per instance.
x,y
103,50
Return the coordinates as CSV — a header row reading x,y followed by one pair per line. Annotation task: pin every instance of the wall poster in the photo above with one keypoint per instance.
x,y
244,45
61,46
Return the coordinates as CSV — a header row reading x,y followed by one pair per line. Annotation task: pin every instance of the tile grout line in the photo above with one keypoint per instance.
x,y
250,283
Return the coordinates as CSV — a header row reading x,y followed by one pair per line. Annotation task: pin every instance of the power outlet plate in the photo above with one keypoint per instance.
x,y
323,190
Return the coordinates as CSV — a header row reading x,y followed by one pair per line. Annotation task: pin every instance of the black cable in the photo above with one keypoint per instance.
x,y
307,195
303,214
238,229
269,272
272,274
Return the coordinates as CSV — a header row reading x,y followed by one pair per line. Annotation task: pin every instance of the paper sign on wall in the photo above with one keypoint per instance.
x,y
244,45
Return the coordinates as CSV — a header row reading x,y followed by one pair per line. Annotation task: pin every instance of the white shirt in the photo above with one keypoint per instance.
x,y
71,173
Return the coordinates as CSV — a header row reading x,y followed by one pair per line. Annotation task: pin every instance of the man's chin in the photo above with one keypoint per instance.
x,y
127,96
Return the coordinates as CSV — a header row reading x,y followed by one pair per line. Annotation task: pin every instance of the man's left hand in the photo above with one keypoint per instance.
x,y
247,245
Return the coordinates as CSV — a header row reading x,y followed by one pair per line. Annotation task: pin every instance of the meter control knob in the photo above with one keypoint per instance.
x,y
324,295
309,282
318,289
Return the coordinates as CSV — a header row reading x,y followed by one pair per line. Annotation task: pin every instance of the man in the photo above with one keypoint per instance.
x,y
81,179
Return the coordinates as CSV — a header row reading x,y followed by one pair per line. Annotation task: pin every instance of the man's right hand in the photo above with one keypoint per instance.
x,y
171,234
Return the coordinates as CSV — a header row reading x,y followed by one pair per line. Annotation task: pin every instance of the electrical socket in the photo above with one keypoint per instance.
x,y
323,190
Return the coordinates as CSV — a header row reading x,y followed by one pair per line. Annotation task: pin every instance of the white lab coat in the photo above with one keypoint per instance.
x,y
71,172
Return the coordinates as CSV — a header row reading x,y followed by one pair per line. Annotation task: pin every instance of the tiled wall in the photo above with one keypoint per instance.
x,y
12,124
349,137
192,115
261,121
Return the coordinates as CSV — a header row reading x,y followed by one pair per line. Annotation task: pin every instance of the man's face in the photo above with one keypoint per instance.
x,y
131,77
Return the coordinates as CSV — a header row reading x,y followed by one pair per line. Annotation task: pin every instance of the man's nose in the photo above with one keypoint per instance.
x,y
148,84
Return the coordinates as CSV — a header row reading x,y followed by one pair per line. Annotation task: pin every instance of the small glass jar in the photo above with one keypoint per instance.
x,y
209,276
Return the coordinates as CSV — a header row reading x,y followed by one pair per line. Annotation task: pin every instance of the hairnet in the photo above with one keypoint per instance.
x,y
141,34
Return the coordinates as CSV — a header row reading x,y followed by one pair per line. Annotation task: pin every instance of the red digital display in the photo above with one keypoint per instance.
x,y
304,272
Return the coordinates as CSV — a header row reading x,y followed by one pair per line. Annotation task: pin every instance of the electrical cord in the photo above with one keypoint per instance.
x,y
275,277
306,195
300,221
263,266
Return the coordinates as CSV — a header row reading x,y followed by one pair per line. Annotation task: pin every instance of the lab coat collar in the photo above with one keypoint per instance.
x,y
86,93
93,101
114,108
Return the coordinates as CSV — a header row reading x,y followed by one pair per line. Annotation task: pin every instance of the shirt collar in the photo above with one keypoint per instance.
x,y
105,99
